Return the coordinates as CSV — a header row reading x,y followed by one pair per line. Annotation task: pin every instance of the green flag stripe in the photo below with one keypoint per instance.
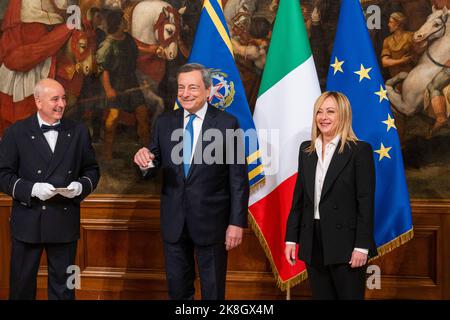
x,y
289,46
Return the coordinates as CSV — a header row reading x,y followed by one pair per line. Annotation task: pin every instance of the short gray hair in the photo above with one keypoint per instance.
x,y
206,73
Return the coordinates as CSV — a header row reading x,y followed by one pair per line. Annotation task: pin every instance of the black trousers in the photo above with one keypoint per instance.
x,y
333,282
180,268
25,259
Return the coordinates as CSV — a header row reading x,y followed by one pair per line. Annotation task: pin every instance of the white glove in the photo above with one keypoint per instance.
x,y
73,189
43,190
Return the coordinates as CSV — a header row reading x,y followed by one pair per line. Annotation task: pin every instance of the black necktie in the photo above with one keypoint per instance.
x,y
56,127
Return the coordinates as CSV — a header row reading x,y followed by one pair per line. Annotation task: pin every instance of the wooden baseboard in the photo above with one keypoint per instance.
x,y
120,256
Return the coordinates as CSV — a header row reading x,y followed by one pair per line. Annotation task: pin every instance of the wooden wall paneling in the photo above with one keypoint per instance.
x,y
446,258
120,256
5,247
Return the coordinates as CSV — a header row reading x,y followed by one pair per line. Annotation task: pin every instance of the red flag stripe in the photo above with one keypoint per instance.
x,y
271,211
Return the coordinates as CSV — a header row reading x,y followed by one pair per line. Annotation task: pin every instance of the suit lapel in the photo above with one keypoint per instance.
x,y
38,139
208,123
65,137
337,163
309,173
177,123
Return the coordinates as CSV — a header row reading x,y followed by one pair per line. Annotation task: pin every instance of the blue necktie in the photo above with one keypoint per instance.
x,y
188,141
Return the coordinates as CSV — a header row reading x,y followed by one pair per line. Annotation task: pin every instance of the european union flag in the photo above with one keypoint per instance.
x,y
354,71
212,48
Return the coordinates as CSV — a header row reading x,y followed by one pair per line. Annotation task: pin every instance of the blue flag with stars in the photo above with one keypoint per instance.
x,y
354,71
212,48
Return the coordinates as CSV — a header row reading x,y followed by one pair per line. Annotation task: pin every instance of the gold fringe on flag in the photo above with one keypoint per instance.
x,y
258,185
283,285
394,243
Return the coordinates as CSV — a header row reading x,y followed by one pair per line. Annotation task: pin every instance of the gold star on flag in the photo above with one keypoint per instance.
x,y
363,73
382,94
383,152
337,65
390,122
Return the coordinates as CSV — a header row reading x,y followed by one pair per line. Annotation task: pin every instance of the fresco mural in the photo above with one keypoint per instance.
x,y
119,71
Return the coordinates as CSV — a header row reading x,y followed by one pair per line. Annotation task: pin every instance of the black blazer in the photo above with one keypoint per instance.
x,y
212,196
346,205
26,158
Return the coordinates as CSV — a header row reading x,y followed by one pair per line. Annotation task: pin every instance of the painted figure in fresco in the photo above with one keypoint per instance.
x,y
329,14
75,61
316,34
189,11
430,76
397,54
438,95
154,102
155,27
250,24
30,38
116,60
91,99
34,40
438,90
416,10
250,55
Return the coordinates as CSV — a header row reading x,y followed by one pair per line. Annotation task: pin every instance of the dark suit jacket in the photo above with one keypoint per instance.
x,y
346,205
212,196
26,158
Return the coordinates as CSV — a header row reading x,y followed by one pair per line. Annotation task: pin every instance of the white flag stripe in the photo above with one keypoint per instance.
x,y
287,106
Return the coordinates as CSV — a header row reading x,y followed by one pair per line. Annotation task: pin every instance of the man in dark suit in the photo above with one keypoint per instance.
x,y
48,166
203,204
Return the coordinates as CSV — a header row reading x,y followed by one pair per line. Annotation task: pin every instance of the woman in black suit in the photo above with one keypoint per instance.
x,y
333,205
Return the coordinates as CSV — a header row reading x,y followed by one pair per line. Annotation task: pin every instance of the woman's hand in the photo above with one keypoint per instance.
x,y
289,252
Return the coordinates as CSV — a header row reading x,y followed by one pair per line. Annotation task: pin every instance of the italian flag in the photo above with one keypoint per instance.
x,y
283,118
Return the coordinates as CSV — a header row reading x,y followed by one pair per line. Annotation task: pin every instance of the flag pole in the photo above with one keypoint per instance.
x,y
288,291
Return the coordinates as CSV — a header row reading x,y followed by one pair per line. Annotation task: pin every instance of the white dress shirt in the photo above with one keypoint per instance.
x,y
197,124
322,168
321,172
52,135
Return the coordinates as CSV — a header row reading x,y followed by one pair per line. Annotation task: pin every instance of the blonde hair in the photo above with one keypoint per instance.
x,y
344,112
399,17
